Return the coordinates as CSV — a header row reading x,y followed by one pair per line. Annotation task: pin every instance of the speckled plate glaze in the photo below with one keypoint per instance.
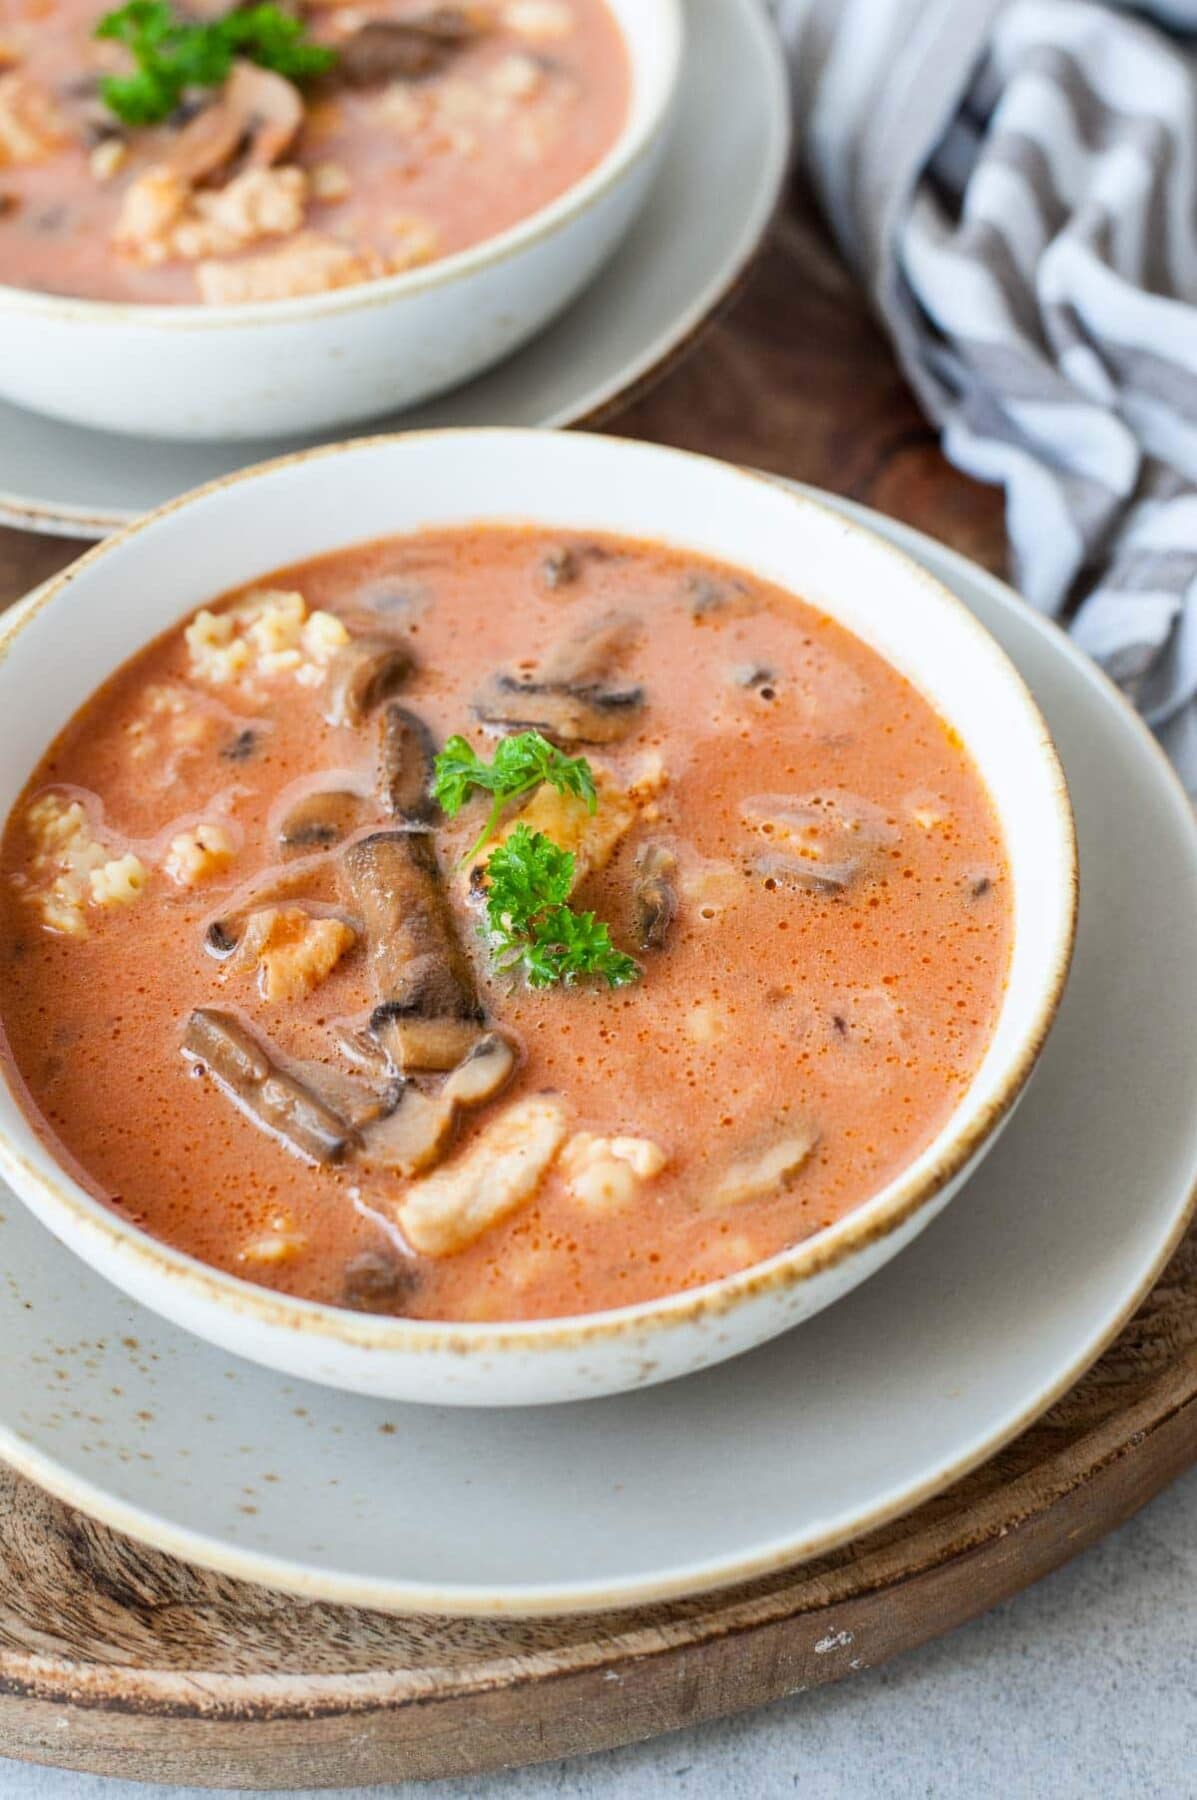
x,y
704,220
849,1420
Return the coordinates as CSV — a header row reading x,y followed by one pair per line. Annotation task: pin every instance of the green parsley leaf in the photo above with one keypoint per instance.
x,y
520,764
173,55
532,928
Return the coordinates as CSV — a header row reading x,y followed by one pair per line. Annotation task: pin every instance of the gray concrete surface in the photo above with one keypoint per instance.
x,y
1084,1686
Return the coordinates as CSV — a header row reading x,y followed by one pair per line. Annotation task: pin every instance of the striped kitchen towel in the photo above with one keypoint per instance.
x,y
1016,181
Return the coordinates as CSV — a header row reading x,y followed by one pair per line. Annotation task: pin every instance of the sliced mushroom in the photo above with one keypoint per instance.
x,y
560,568
363,1050
252,1077
319,820
419,1130
590,654
654,895
406,755
757,677
779,870
374,1281
366,672
709,594
405,49
599,717
501,1171
570,697
359,1103
429,1014
757,1177
241,746
821,842
255,117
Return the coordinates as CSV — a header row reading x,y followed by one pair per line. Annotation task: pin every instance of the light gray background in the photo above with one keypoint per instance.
x,y
1084,1686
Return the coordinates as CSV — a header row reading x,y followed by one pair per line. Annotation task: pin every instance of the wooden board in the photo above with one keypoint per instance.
x,y
117,1659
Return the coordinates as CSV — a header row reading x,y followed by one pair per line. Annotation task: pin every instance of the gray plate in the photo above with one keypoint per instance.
x,y
705,218
849,1420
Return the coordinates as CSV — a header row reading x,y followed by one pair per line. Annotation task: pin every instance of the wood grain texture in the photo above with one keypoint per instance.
x,y
118,1659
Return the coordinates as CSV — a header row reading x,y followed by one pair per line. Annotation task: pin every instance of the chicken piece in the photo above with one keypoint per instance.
x,y
608,1173
31,125
757,1177
161,217
591,837
152,206
309,264
261,203
292,950
499,1173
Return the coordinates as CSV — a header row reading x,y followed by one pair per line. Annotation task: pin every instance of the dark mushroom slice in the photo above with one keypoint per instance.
x,y
814,877
405,49
593,716
589,655
357,1101
374,1281
707,595
758,678
8,205
253,119
219,940
420,1129
241,746
428,1014
654,895
321,820
406,756
560,568
365,673
363,1051
570,696
251,1076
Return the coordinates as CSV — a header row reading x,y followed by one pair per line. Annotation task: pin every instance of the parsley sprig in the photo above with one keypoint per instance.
x,y
173,54
532,928
520,764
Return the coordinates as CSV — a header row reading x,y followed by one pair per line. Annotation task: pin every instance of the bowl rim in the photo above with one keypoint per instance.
x,y
905,1195
638,137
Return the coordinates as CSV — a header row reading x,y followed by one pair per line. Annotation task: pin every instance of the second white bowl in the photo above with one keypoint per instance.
x,y
328,360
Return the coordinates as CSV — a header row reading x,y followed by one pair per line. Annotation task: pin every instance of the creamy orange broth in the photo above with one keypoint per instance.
x,y
393,174
859,1014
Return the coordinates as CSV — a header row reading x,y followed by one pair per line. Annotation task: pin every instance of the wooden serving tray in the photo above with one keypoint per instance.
x,y
120,1660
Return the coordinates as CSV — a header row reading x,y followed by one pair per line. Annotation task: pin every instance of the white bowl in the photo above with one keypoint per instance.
x,y
139,583
332,359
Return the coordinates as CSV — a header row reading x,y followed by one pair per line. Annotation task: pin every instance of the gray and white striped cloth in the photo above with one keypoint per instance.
x,y
1016,181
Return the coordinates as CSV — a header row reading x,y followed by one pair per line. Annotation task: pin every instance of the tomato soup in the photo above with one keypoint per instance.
x,y
486,925
432,128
